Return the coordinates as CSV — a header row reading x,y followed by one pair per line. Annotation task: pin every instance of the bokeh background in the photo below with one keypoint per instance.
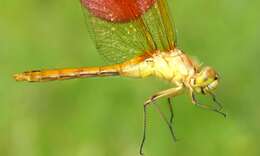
x,y
103,116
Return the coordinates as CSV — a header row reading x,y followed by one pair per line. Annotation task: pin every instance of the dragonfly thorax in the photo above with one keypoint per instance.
x,y
173,66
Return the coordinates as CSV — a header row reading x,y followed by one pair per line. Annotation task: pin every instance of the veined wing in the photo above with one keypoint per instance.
x,y
123,29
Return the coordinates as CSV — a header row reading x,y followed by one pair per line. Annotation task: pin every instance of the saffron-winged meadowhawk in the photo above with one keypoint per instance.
x,y
139,37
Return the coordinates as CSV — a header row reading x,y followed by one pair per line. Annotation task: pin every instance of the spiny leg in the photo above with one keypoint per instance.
x,y
167,122
194,101
171,110
167,93
145,124
144,127
216,101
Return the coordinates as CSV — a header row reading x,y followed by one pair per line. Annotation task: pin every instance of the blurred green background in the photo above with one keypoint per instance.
x,y
103,116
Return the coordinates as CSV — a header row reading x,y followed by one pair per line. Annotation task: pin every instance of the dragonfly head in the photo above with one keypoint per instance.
x,y
205,81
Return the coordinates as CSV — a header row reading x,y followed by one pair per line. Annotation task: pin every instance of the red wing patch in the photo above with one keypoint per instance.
x,y
117,10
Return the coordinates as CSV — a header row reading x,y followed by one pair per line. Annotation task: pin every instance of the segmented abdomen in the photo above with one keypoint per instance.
x,y
64,74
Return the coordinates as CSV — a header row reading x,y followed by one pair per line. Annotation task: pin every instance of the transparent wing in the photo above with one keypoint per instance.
x,y
123,29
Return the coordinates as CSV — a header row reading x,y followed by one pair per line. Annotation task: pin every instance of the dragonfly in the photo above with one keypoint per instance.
x,y
139,38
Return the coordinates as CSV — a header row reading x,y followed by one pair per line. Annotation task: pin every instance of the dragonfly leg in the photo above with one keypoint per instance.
x,y
167,122
171,110
218,110
167,93
216,101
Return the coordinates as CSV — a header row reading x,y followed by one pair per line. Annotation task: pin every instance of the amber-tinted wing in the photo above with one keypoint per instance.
x,y
123,29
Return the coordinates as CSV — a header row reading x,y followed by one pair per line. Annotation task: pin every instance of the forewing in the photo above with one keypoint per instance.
x,y
123,29
160,25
